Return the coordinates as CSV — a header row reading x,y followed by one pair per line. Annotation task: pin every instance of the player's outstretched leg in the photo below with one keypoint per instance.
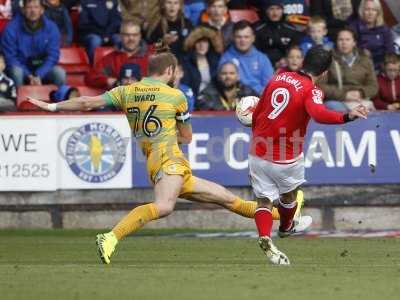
x,y
166,192
263,219
210,192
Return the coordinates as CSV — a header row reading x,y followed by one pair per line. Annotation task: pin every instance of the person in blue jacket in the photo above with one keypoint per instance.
x,y
99,24
31,46
255,69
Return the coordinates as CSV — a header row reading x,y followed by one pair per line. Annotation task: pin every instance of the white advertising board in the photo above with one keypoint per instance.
x,y
50,152
28,153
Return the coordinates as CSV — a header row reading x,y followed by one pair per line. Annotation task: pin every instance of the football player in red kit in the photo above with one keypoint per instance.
x,y
276,162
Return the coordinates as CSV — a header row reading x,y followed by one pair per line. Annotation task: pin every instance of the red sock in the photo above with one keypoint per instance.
x,y
263,218
286,212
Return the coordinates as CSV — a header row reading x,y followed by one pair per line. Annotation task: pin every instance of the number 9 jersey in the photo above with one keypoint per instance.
x,y
281,117
153,108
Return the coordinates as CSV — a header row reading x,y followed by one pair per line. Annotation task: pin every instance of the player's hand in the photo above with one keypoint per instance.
x,y
359,112
43,105
353,96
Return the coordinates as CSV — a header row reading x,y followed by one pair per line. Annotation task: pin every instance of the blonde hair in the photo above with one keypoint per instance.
x,y
378,7
314,20
161,60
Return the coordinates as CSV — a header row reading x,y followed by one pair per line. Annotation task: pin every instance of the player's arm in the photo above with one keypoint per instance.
x,y
184,133
83,103
317,110
183,122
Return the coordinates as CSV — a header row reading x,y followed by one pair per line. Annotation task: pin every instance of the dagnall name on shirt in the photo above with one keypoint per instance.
x,y
289,79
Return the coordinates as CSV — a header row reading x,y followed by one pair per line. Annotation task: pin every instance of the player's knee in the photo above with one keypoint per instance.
x,y
264,203
165,208
289,197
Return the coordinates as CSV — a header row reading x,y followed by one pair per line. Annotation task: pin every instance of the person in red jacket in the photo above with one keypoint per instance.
x,y
134,50
388,97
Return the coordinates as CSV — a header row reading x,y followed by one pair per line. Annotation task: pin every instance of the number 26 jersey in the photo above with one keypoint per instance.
x,y
281,117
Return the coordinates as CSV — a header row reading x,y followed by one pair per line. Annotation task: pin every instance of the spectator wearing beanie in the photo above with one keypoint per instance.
x,y
130,73
274,35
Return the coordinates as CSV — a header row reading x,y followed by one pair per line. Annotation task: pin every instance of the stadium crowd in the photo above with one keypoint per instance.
x,y
226,49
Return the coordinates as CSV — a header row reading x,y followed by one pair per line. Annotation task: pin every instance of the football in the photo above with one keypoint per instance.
x,y
245,108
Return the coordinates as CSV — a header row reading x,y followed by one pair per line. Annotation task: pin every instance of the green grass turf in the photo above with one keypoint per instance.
x,y
64,265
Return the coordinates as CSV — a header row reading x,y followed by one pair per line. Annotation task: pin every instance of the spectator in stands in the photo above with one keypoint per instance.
x,y
254,67
317,32
31,45
70,3
193,10
204,47
372,32
294,60
336,13
187,90
99,23
224,91
146,13
134,50
388,96
64,92
274,35
351,78
173,27
217,17
5,9
130,73
58,13
8,91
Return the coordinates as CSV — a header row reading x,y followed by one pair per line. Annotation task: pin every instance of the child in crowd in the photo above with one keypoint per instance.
x,y
294,60
8,91
187,90
388,97
317,35
129,74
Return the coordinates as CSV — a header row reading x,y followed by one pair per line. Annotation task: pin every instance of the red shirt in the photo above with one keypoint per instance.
x,y
111,64
282,115
389,92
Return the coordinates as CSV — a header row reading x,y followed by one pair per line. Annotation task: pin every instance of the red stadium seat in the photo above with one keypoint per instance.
x,y
40,92
100,52
243,14
3,24
89,91
74,60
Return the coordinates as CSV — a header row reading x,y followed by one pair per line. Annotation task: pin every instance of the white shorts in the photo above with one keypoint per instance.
x,y
270,180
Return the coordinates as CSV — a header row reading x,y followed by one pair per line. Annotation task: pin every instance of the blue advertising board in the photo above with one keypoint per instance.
x,y
360,152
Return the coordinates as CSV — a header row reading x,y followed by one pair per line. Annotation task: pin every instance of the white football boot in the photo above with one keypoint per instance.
x,y
300,224
274,256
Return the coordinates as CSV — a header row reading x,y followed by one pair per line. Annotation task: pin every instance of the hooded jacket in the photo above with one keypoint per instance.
x,y
21,46
189,63
343,78
254,67
389,91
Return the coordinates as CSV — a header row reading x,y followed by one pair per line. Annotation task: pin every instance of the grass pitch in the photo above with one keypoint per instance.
x,y
64,265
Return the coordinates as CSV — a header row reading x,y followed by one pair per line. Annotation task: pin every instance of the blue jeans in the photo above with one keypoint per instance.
x,y
336,105
92,41
55,76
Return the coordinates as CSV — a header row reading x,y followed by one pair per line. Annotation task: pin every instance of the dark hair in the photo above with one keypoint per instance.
x,y
211,2
243,24
294,47
317,60
348,29
161,60
25,2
